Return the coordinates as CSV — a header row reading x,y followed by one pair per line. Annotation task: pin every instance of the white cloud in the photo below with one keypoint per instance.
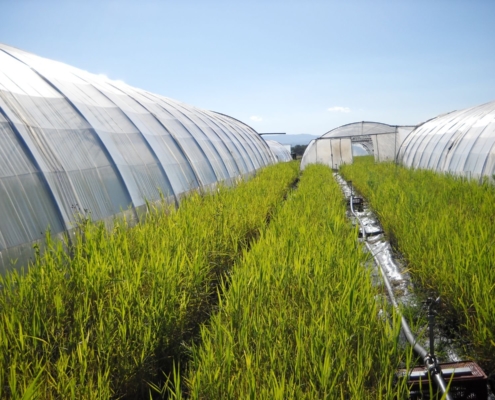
x,y
340,109
256,118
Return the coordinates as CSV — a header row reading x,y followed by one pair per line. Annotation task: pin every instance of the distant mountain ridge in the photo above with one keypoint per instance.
x,y
293,140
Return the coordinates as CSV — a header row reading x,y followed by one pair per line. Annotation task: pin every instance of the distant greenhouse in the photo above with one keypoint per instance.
x,y
72,142
461,143
279,150
339,145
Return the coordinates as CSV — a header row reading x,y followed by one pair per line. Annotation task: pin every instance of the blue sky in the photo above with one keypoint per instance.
x,y
280,66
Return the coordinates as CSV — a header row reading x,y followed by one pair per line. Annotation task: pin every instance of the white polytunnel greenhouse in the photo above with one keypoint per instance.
x,y
72,142
460,143
341,144
279,150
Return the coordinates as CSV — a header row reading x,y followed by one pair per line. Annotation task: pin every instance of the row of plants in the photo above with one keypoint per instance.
x,y
110,318
299,317
445,228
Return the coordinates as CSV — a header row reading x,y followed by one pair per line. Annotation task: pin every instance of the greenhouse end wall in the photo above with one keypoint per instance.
x,y
329,151
381,140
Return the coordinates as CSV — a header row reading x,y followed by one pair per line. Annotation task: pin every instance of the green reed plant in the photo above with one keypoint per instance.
x,y
299,315
109,320
445,227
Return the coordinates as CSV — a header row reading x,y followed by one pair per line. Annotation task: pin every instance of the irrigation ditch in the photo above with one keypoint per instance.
x,y
442,369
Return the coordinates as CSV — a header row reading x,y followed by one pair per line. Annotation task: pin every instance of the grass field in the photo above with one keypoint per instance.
x,y
258,291
445,228
299,316
110,320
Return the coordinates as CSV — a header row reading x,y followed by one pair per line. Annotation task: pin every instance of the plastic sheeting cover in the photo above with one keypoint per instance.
x,y
72,142
386,145
362,128
376,138
280,151
461,143
361,132
329,151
